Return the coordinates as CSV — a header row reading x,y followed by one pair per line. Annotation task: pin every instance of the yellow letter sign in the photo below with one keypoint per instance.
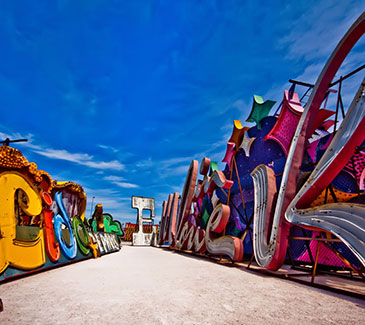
x,y
14,252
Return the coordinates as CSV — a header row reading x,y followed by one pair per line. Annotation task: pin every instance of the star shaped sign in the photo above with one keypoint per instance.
x,y
246,143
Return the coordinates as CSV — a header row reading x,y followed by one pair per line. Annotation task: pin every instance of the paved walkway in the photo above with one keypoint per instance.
x,y
145,285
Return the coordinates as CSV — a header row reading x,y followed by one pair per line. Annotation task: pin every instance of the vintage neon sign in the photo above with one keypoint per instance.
x,y
14,252
273,158
271,254
185,233
42,222
140,238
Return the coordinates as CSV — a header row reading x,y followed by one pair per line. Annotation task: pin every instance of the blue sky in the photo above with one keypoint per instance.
x,y
120,96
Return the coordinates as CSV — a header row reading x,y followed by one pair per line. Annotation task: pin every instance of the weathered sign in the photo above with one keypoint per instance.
x,y
141,238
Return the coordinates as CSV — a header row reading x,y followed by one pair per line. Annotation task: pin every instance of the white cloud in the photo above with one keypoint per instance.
x,y
316,40
167,167
241,105
119,181
79,158
311,73
174,161
114,164
63,155
180,170
16,136
104,192
145,163
108,148
126,185
114,178
83,159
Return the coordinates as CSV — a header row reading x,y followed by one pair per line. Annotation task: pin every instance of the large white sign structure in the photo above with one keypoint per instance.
x,y
140,238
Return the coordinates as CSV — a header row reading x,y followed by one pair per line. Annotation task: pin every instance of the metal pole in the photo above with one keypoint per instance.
x,y
91,208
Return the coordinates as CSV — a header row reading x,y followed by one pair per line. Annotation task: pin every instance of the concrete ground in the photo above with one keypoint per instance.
x,y
146,285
